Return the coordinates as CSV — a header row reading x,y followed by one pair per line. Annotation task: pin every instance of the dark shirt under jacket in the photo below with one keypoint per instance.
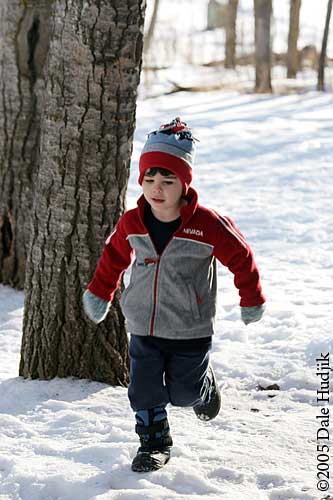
x,y
160,232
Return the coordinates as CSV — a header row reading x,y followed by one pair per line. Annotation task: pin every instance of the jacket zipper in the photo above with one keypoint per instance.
x,y
152,323
151,333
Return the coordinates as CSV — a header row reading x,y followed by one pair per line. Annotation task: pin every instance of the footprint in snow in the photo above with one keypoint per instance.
x,y
225,474
268,481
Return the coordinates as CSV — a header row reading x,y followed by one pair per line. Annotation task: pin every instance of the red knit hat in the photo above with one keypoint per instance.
x,y
172,147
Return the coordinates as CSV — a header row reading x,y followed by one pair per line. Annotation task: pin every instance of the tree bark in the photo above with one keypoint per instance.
x,y
262,15
87,130
322,58
24,35
292,54
230,35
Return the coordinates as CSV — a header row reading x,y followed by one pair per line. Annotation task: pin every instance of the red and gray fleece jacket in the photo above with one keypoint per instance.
x,y
173,295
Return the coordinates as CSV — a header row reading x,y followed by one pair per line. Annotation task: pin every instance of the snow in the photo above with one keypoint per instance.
x,y
265,162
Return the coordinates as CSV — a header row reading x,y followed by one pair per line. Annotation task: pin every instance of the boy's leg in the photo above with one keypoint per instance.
x,y
186,377
148,397
147,364
191,381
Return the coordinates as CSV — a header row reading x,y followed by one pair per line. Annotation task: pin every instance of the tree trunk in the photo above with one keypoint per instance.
x,y
230,35
262,15
292,55
87,130
24,34
322,59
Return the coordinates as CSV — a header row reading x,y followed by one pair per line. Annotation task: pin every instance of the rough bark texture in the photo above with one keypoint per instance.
x,y
230,35
262,15
292,55
86,142
24,33
322,58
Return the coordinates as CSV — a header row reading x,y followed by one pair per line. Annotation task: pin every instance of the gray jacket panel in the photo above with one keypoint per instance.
x,y
172,295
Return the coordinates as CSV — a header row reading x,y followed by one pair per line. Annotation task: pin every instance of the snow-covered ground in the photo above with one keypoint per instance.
x,y
266,161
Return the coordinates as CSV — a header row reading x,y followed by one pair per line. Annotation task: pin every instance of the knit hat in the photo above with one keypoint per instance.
x,y
172,147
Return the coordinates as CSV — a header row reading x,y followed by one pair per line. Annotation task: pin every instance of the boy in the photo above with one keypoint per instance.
x,y
169,304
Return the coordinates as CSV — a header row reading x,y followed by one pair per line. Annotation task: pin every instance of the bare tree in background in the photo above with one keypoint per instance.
x,y
262,15
24,34
150,32
87,127
322,59
230,35
292,55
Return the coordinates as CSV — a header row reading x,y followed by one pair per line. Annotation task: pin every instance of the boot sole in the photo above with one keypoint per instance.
x,y
149,462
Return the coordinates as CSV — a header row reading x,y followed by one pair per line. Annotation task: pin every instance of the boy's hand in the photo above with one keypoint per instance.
x,y
95,308
252,314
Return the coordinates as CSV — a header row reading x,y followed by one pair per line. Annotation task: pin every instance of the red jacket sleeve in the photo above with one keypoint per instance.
x,y
116,257
233,251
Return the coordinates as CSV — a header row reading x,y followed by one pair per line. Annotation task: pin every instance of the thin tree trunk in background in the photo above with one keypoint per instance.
x,y
322,59
24,34
292,54
230,35
150,33
87,130
262,15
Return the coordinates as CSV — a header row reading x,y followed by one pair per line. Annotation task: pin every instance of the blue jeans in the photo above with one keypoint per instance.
x,y
163,372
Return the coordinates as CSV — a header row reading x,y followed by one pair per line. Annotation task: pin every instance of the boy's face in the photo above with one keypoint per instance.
x,y
163,193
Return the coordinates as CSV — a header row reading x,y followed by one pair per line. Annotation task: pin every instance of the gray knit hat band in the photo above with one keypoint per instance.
x,y
166,147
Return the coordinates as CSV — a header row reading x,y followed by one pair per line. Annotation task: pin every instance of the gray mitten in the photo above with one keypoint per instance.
x,y
252,314
95,308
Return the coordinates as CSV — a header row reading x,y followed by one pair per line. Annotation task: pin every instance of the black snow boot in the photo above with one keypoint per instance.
x,y
155,440
210,408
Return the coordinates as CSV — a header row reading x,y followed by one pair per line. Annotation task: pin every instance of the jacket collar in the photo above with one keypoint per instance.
x,y
186,212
